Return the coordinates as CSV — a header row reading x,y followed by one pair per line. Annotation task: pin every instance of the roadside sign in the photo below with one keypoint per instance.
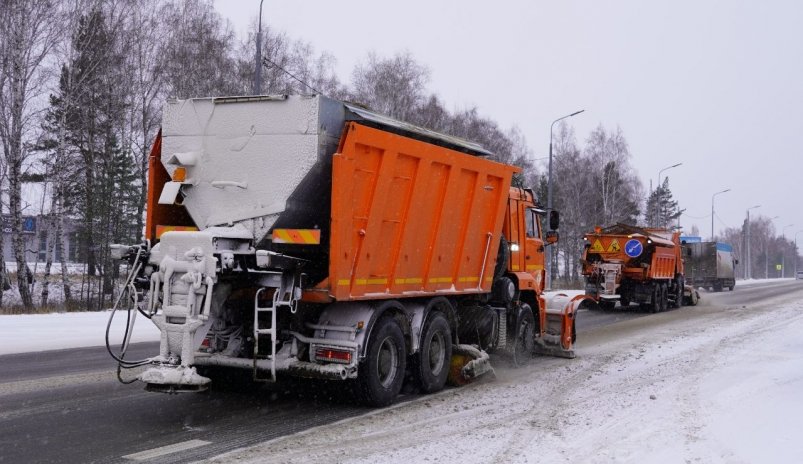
x,y
778,267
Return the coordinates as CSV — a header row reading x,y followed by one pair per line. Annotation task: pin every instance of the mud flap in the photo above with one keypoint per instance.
x,y
468,362
558,335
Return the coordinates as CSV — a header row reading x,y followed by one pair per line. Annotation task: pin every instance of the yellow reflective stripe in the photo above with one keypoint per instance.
x,y
283,235
468,279
440,280
343,282
297,236
370,281
535,267
309,237
515,267
409,280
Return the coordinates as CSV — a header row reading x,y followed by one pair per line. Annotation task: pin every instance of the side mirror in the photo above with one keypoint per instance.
x,y
551,237
554,220
688,252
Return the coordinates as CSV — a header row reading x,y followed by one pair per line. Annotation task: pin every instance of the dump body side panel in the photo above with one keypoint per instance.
x,y
410,218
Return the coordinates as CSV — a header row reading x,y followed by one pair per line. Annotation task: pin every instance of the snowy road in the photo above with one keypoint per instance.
x,y
699,363
720,382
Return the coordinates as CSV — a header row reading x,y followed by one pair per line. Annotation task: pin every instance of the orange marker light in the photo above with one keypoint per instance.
x,y
180,174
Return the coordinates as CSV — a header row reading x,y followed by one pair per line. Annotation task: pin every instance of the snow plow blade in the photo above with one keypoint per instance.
x,y
173,379
468,363
558,333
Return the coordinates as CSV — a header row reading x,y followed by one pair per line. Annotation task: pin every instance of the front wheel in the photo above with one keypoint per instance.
x,y
432,362
524,341
382,373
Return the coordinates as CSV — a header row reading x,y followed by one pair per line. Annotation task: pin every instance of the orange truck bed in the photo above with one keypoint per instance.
x,y
410,218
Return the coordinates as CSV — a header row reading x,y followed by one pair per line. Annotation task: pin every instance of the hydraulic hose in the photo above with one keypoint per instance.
x,y
130,289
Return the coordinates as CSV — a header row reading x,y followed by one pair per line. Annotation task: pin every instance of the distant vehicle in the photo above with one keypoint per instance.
x,y
710,265
799,275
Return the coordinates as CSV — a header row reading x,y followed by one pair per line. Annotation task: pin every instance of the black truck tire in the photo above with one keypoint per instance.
x,y
435,354
524,336
381,374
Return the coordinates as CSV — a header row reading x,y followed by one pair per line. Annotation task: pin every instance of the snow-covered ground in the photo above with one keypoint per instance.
x,y
40,332
695,385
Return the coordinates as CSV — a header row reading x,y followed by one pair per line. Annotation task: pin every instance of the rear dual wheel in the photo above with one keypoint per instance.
x,y
382,373
435,354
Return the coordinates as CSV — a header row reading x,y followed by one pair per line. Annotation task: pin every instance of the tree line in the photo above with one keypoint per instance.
x,y
82,83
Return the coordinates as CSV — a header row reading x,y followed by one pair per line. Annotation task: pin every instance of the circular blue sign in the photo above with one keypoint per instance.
x,y
633,248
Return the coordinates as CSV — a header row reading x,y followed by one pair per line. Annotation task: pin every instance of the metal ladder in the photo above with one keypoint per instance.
x,y
263,331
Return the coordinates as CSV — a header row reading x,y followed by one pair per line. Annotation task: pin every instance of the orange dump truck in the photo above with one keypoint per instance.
x,y
302,236
634,265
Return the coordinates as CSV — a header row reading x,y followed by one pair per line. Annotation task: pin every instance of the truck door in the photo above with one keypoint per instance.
x,y
533,246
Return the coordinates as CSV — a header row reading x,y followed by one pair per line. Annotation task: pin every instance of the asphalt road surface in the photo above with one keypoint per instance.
x,y
67,405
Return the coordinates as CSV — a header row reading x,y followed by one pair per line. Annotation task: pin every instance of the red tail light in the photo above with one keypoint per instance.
x,y
331,355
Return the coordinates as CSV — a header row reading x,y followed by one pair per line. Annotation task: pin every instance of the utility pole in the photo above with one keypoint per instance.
x,y
748,270
258,71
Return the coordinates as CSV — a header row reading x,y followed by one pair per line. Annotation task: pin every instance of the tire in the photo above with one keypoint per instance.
x,y
432,362
504,291
655,304
717,287
664,297
731,288
679,292
381,374
524,341
624,302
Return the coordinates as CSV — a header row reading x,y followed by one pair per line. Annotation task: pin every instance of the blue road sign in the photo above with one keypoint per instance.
x,y
633,248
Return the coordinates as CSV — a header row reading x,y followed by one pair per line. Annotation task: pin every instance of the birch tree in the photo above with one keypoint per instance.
x,y
28,32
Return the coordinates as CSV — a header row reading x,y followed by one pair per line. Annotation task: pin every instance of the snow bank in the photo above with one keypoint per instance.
x,y
40,332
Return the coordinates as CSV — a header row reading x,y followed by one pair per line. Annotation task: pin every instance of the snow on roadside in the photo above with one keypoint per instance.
x,y
40,332
698,384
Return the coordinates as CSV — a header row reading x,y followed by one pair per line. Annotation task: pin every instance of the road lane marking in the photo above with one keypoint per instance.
x,y
163,450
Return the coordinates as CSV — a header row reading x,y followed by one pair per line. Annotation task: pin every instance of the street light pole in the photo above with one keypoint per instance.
x,y
796,255
549,197
258,71
657,186
783,250
767,252
748,272
712,211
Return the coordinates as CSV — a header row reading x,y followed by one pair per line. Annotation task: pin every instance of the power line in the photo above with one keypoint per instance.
x,y
272,63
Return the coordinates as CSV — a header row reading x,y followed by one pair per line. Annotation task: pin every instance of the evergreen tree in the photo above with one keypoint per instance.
x,y
662,210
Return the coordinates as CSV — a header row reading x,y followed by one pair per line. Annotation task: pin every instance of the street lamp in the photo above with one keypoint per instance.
x,y
748,272
258,71
712,211
783,249
767,252
796,256
549,196
659,183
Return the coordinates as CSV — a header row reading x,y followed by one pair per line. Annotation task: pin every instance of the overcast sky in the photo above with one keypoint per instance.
x,y
715,85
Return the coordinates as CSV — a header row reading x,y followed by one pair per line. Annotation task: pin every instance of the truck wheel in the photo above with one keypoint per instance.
x,y
717,287
432,362
730,288
382,373
524,343
679,293
664,297
624,302
655,304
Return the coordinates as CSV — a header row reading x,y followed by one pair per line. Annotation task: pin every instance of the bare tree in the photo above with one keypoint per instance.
x,y
394,86
28,32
